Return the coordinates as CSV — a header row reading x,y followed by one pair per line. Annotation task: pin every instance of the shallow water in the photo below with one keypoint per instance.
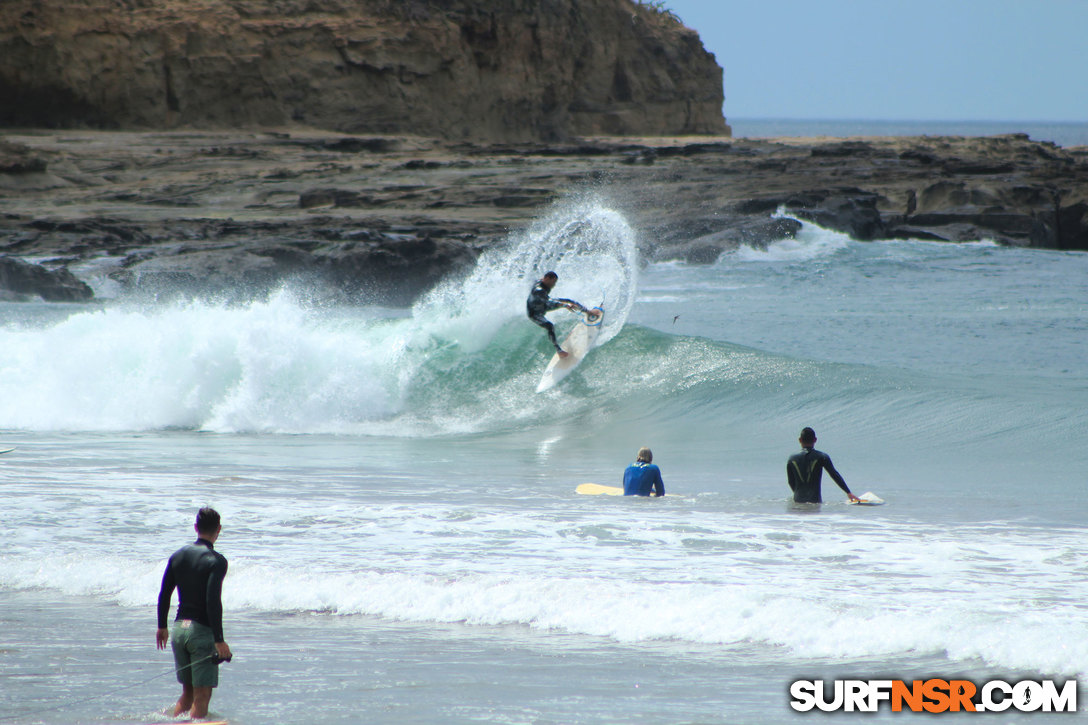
x,y
404,540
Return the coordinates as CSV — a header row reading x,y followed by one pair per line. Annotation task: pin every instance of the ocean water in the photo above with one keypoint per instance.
x,y
1062,133
404,539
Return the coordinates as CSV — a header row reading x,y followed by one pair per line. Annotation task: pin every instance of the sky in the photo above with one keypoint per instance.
x,y
905,60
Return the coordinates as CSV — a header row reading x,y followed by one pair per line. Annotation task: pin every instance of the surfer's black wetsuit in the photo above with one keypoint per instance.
x,y
804,472
540,303
197,570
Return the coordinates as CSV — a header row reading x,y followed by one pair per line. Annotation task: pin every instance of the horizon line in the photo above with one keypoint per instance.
x,y
846,119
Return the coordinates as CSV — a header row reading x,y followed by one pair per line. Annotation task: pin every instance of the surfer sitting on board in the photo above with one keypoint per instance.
x,y
539,303
642,476
804,471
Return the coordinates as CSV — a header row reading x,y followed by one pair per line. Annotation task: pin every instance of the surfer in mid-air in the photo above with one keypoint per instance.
x,y
540,303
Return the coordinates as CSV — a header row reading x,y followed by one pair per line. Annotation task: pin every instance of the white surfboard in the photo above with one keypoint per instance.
x,y
578,343
6,450
868,499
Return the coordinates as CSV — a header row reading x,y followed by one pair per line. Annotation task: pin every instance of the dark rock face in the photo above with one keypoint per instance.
x,y
390,272
20,280
16,159
380,220
490,70
849,210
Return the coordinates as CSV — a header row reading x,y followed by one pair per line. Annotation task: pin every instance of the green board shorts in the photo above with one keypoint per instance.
x,y
194,646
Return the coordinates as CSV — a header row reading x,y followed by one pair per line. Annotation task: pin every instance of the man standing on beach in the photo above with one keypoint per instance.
x,y
642,477
539,303
197,571
804,471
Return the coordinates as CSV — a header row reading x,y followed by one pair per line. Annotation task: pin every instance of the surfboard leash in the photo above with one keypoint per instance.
x,y
72,703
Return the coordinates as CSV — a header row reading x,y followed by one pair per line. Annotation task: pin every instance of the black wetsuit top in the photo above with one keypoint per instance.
x,y
804,471
539,303
197,570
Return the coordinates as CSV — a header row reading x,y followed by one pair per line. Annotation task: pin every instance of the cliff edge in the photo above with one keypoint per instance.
x,y
492,70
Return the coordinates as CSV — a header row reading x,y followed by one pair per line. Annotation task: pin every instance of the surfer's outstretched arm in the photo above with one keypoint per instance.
x,y
570,304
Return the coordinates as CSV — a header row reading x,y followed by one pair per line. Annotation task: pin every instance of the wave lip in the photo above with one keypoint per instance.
x,y
282,365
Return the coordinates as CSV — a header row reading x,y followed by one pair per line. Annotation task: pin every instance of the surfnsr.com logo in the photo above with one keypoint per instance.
x,y
934,695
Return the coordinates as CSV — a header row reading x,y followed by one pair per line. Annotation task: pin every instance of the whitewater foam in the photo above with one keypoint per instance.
x,y
825,590
282,365
589,245
811,242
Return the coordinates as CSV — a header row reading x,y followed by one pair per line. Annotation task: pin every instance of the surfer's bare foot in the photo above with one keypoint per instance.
x,y
563,353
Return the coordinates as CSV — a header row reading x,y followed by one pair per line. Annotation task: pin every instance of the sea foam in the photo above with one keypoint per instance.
x,y
821,589
282,365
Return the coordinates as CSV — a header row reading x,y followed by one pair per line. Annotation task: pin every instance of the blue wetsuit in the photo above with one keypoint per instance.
x,y
640,478
804,472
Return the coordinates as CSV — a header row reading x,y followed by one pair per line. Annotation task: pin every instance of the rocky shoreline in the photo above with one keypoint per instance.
x,y
380,219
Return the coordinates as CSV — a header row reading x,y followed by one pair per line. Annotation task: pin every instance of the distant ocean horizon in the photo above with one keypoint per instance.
x,y
1062,133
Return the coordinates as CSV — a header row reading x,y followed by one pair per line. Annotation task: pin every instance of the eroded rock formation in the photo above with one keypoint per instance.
x,y
381,219
495,70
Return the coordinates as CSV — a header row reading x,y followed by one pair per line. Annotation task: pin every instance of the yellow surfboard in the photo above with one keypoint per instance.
x,y
596,489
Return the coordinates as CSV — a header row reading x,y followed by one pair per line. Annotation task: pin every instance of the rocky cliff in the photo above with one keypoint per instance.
x,y
497,70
